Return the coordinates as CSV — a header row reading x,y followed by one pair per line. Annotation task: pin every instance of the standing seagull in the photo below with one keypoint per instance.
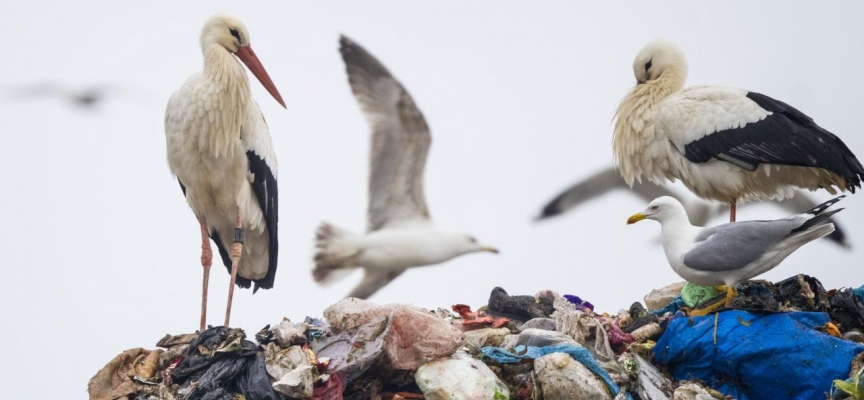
x,y
723,143
731,253
399,233
220,149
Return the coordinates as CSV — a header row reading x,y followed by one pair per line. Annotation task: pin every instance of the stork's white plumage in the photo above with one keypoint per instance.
x,y
724,144
220,149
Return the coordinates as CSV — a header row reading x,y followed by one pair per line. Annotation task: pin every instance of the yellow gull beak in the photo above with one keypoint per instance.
x,y
635,218
489,249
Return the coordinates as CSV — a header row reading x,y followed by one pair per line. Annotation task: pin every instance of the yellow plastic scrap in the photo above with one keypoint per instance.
x,y
832,329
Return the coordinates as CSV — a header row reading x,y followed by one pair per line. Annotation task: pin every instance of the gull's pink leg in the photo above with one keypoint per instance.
x,y
206,262
236,252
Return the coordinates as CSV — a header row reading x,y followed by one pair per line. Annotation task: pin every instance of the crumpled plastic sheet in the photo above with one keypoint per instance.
x,y
411,336
587,331
757,356
577,352
659,298
803,292
651,383
562,378
417,336
114,380
847,309
459,377
692,391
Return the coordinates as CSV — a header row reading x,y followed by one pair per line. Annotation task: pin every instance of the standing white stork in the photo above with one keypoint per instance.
x,y
220,149
723,143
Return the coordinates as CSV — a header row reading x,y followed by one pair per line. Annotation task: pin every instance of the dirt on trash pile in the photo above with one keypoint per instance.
x,y
790,339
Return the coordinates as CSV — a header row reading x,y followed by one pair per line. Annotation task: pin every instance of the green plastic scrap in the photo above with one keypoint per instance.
x,y
499,396
853,386
694,294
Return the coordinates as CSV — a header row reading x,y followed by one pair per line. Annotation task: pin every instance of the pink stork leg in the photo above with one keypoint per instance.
x,y
206,262
236,252
732,210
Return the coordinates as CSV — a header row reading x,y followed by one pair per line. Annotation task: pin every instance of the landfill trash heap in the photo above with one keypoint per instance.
x,y
791,339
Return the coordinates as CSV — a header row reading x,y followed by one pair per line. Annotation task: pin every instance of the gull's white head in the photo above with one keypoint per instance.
x,y
463,244
660,209
230,34
657,58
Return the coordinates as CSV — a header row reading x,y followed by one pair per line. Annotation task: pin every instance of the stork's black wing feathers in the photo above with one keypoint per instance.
x,y
267,192
787,137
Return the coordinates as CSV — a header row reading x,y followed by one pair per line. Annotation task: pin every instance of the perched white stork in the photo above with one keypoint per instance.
x,y
724,144
400,233
699,211
220,149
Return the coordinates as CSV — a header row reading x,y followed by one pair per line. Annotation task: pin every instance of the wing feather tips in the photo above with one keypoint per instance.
x,y
266,190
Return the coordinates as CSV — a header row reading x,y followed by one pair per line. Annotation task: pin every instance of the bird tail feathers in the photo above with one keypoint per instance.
x,y
335,249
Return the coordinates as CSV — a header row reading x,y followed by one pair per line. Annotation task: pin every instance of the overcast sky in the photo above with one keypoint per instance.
x,y
102,253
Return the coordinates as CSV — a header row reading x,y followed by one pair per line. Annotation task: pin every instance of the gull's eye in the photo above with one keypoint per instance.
x,y
648,65
235,34
655,208
472,240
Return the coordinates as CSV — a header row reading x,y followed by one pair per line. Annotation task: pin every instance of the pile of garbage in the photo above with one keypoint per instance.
x,y
792,339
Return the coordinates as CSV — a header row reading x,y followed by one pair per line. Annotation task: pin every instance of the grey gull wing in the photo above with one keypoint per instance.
x,y
400,140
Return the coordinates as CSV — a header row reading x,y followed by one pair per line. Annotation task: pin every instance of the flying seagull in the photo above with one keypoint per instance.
x,y
399,233
700,212
723,143
220,149
85,98
731,253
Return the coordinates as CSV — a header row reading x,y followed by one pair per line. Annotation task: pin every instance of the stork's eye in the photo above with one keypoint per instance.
x,y
235,34
655,208
648,65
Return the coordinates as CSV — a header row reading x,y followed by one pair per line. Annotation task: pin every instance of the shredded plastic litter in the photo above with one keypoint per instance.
x,y
790,339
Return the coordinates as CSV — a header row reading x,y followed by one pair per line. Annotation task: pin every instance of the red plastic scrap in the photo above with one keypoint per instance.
x,y
166,373
474,320
332,389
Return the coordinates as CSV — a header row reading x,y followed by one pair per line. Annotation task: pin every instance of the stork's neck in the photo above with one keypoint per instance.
x,y
229,97
634,124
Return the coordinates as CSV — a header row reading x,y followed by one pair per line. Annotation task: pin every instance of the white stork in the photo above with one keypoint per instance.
x,y
220,149
724,144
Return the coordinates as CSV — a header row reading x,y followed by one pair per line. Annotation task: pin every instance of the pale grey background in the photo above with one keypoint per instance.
x,y
102,252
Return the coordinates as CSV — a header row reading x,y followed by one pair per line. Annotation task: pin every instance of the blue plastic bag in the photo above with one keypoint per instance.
x,y
775,356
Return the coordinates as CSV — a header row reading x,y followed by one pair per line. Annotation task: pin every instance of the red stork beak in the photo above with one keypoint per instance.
x,y
249,58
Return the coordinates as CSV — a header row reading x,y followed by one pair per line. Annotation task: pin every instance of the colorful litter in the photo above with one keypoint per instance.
x,y
792,339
